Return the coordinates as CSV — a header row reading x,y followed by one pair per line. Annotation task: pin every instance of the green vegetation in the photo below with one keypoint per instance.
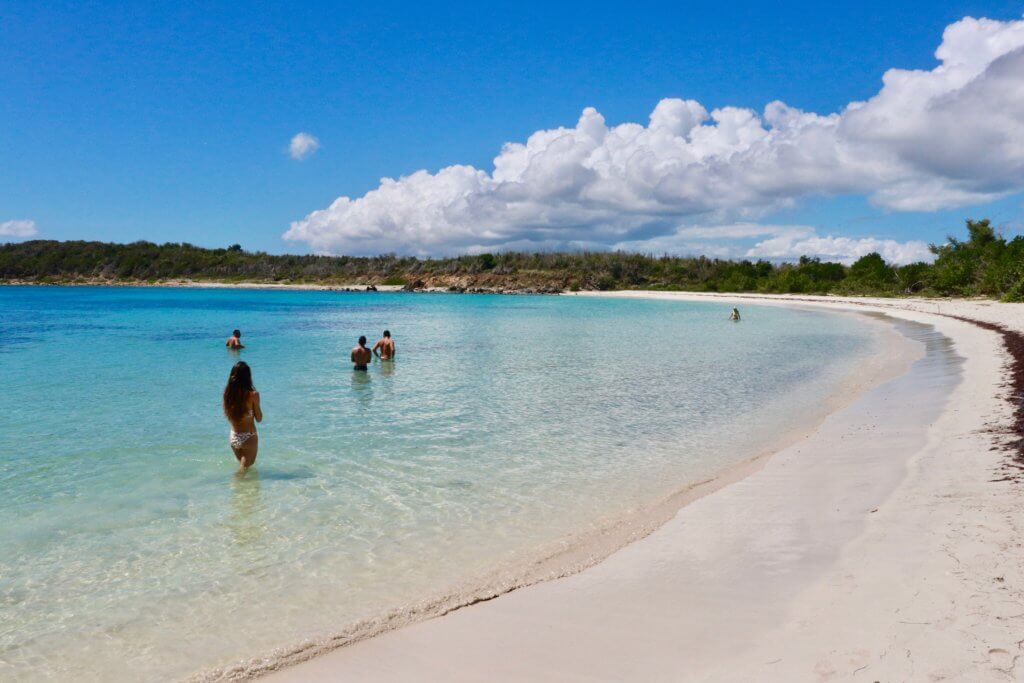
x,y
985,264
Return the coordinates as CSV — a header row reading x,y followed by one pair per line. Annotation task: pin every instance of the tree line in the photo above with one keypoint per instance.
x,y
983,264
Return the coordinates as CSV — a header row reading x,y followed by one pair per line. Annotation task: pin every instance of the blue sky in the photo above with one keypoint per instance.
x,y
171,122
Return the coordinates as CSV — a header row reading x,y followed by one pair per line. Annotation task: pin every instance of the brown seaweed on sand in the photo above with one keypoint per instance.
x,y
1014,443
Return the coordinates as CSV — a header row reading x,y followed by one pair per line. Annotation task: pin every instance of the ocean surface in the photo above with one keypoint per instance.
x,y
130,550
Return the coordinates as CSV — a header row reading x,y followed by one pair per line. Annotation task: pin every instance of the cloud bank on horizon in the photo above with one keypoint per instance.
x,y
928,140
18,228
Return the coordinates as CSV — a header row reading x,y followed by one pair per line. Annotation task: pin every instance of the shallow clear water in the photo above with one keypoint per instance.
x,y
130,550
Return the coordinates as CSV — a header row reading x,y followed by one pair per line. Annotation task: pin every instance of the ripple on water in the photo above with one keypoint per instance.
x,y
504,425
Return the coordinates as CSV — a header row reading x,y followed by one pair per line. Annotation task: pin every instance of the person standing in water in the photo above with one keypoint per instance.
x,y
735,316
385,347
242,408
235,340
361,356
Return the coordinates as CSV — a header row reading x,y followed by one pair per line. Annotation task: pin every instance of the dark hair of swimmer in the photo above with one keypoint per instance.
x,y
236,393
387,334
236,333
362,341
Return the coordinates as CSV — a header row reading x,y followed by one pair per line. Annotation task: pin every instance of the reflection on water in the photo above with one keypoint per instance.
x,y
362,387
244,520
387,368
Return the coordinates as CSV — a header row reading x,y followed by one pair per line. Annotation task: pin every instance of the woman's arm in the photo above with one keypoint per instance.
x,y
257,412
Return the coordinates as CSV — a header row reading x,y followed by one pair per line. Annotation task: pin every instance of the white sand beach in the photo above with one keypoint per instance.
x,y
883,545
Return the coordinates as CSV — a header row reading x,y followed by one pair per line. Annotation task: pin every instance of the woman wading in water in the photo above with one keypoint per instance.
x,y
242,408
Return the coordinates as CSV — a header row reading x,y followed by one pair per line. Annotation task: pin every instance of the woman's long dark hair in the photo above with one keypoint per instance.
x,y
236,393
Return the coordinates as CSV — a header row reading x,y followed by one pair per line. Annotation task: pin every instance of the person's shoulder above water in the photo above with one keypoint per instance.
x,y
235,340
385,347
360,354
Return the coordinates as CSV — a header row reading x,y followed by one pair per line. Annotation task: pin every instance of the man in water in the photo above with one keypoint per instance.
x,y
361,356
735,317
385,348
235,340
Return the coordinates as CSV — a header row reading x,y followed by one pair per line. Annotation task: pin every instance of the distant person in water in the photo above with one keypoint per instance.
x,y
242,408
735,316
385,347
361,356
235,340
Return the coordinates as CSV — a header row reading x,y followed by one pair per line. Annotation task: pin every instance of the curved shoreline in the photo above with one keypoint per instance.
x,y
811,651
582,552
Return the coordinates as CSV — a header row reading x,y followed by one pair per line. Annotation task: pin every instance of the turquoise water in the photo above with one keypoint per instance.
x,y
129,550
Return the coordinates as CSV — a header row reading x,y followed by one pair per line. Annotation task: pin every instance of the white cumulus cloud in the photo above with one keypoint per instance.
x,y
302,146
774,242
929,139
18,228
790,245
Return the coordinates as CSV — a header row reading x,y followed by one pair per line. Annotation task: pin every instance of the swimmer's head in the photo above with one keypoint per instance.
x,y
236,333
362,341
387,335
236,393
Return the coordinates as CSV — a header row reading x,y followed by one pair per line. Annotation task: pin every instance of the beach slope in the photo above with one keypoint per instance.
x,y
885,545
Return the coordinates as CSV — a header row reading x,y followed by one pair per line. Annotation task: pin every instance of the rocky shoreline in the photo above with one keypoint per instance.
x,y
422,286
417,286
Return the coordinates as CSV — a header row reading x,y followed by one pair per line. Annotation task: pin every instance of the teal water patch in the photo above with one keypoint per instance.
x,y
504,424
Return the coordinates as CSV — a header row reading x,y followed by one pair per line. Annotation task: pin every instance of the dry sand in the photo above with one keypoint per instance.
x,y
884,546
